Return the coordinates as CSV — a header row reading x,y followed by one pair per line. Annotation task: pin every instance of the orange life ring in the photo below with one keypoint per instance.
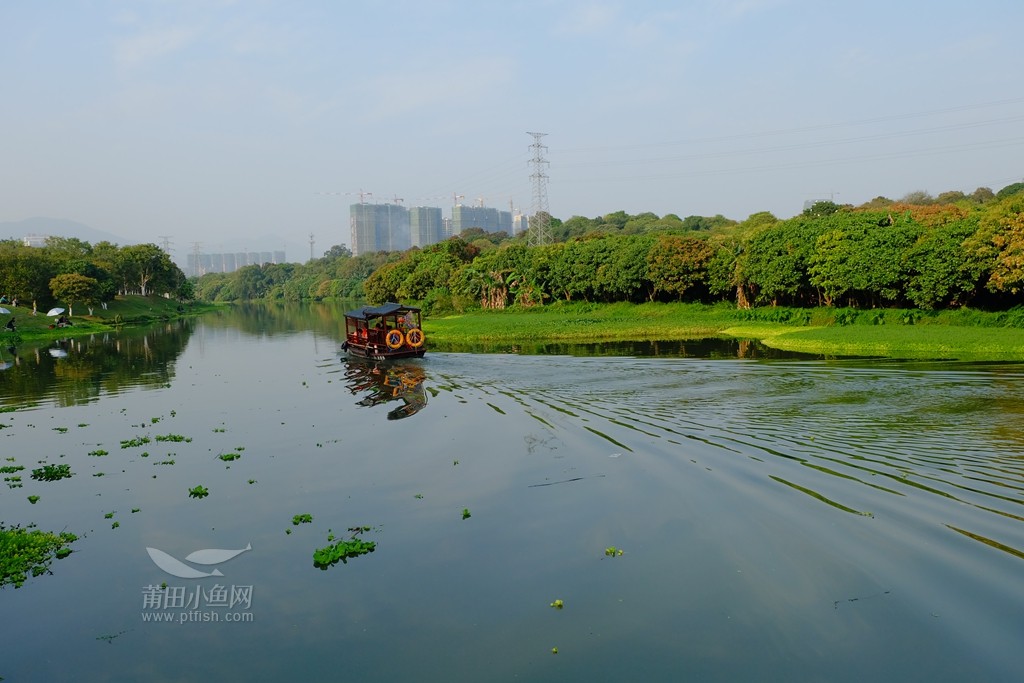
x,y
414,337
394,339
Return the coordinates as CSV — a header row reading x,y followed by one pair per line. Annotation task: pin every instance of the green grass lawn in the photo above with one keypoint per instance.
x,y
894,341
889,333
127,310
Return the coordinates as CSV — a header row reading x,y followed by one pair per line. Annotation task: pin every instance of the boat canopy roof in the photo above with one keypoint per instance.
x,y
371,312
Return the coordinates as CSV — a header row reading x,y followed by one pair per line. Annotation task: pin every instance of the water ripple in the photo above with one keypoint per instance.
x,y
854,431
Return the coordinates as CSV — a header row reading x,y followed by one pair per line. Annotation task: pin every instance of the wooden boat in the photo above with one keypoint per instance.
x,y
384,332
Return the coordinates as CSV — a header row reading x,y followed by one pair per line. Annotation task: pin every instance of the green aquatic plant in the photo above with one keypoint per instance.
x,y
558,604
612,551
135,443
115,525
13,482
177,438
99,452
341,551
109,515
134,510
198,492
51,472
304,518
11,469
62,430
228,457
27,550
465,513
33,499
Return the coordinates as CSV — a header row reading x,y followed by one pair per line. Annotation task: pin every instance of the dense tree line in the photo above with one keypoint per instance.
x,y
71,271
921,251
930,254
337,275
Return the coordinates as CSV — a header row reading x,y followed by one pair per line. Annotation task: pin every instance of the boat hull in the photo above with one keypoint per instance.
x,y
377,352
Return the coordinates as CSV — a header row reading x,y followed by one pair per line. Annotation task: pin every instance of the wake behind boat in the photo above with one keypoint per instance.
x,y
383,332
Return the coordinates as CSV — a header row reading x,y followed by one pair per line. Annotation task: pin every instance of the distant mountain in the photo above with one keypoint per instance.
x,y
57,227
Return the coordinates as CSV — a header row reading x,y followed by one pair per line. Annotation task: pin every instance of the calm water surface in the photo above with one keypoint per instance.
x,y
780,519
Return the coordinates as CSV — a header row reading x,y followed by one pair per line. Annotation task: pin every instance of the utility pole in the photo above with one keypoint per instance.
x,y
540,222
312,242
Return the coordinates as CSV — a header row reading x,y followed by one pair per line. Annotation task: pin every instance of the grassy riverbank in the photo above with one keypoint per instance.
x,y
963,334
128,310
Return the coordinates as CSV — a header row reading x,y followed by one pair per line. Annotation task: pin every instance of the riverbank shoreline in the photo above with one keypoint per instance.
x,y
124,311
890,333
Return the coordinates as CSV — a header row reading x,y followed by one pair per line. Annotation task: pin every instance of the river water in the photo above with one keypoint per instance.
x,y
779,518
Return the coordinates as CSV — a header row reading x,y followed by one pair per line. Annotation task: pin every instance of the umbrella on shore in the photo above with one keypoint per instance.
x,y
54,311
4,311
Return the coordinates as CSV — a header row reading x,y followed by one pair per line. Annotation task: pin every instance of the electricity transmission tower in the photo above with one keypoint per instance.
x,y
540,222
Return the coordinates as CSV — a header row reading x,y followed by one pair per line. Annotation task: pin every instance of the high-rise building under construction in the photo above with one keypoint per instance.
x,y
391,227
426,225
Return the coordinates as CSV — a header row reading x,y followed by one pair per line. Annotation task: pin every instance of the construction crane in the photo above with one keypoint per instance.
x,y
362,195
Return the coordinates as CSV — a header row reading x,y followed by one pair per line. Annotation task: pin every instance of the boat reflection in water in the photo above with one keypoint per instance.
x,y
387,382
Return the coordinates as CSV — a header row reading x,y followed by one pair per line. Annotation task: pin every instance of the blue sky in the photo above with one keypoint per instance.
x,y
231,123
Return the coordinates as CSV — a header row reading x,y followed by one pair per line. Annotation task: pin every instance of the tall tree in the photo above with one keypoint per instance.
x,y
142,266
678,264
71,287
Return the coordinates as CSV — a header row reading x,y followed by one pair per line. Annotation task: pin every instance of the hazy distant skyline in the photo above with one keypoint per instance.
x,y
228,123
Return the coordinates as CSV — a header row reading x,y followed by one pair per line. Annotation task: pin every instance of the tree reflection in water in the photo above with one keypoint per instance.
x,y
386,382
79,370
